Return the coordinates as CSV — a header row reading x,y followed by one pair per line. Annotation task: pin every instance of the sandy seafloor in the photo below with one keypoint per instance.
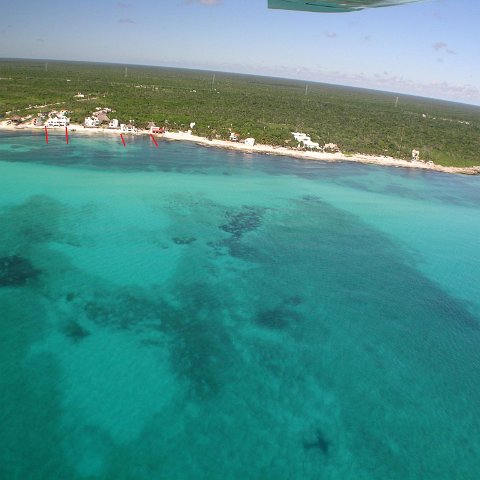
x,y
193,313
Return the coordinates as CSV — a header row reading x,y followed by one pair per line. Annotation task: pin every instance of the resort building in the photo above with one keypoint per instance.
x,y
102,116
300,137
91,122
310,144
128,128
113,124
415,155
306,140
331,147
250,142
59,121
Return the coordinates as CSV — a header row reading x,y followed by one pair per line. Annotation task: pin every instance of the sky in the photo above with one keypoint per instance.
x,y
429,48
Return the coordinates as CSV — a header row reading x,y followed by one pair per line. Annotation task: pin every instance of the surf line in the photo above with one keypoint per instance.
x,y
123,140
154,141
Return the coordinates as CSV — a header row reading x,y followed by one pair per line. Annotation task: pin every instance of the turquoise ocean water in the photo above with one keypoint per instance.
x,y
193,313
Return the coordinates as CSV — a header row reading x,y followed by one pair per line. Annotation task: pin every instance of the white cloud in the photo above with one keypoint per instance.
x,y
439,45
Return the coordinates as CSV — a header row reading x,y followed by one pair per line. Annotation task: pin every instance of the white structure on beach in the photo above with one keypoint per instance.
x,y
331,147
250,142
91,122
300,137
59,121
415,155
114,123
305,139
128,128
192,124
310,144
101,116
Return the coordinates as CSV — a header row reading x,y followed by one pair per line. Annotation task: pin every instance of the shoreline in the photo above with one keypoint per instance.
x,y
379,160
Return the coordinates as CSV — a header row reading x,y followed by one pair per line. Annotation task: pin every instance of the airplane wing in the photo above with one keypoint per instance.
x,y
333,6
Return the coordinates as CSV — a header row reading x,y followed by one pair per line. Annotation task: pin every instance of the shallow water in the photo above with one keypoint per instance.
x,y
186,312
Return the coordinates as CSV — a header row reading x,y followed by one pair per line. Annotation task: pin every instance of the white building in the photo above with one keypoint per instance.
x,y
415,155
310,144
300,137
129,128
250,142
59,121
91,122
113,124
331,147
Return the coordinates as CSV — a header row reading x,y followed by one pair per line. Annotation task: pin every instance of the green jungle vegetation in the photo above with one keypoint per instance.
x,y
268,109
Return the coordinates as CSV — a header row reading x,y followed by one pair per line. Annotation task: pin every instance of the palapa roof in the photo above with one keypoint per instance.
x,y
103,117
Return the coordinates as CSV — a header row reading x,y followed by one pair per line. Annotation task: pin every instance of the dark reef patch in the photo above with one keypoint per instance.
x,y
238,249
277,318
75,331
320,443
183,240
201,347
15,271
69,297
294,300
242,222
123,310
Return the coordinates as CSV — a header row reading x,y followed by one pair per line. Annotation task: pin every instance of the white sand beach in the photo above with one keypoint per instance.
x,y
381,160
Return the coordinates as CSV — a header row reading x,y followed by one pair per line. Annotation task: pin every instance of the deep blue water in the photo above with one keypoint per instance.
x,y
193,313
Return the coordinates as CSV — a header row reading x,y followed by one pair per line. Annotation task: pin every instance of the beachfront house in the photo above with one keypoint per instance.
x,y
234,137
300,137
250,142
16,119
57,121
91,122
415,155
303,138
128,128
311,145
152,127
331,147
102,117
114,123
